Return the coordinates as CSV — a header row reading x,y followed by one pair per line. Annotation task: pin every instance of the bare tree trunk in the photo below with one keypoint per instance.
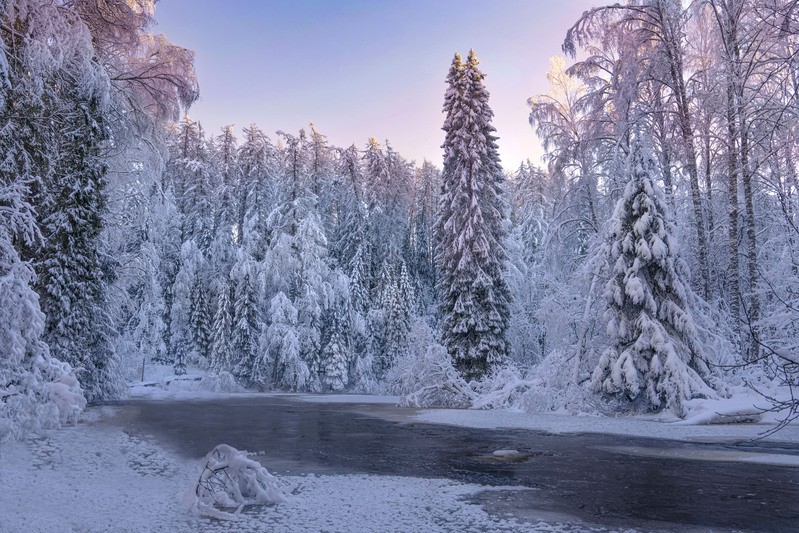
x,y
665,162
711,224
733,274
676,70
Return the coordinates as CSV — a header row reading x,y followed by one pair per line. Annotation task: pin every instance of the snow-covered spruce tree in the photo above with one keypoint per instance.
x,y
654,359
244,337
398,305
195,180
201,318
470,258
359,291
28,397
258,169
165,236
147,323
312,289
220,337
362,362
72,282
337,351
290,371
181,341
350,230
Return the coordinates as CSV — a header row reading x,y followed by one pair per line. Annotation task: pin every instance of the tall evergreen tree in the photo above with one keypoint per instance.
x,y
72,282
470,257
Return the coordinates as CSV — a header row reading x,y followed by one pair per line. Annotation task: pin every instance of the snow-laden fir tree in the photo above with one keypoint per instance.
x,y
181,341
312,289
351,230
165,236
202,316
395,337
405,293
257,163
337,352
196,180
244,337
398,306
362,362
470,258
72,281
359,290
147,325
220,338
281,343
654,358
27,370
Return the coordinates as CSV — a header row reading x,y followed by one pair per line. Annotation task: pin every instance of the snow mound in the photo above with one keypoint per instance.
x,y
506,453
736,410
231,480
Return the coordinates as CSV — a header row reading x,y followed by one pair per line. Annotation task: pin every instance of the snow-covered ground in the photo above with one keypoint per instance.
x,y
95,477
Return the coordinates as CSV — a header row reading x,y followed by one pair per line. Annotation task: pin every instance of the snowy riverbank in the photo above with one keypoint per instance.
x,y
97,477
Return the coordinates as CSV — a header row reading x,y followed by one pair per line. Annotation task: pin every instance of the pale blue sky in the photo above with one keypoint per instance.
x,y
367,68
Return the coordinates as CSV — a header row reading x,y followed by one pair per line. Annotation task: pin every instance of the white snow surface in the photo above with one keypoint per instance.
x,y
347,398
94,477
639,426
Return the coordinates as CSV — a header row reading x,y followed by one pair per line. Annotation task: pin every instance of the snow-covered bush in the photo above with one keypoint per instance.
x,y
67,395
231,480
221,382
502,389
425,377
553,389
545,387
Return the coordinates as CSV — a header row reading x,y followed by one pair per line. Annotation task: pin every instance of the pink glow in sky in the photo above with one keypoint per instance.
x,y
359,69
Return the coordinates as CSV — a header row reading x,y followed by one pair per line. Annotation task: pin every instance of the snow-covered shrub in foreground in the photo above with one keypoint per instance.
x,y
231,480
425,377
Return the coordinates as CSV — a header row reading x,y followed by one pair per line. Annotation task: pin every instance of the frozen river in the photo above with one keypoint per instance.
x,y
598,480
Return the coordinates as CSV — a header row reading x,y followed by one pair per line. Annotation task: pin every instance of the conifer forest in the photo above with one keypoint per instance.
x,y
647,265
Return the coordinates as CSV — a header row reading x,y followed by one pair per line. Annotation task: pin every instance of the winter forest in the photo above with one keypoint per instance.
x,y
651,258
